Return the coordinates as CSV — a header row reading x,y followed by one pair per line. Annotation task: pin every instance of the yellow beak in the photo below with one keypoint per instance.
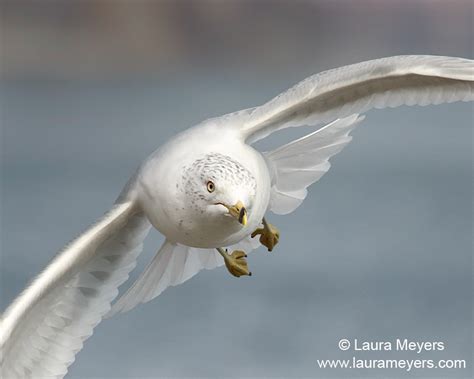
x,y
238,211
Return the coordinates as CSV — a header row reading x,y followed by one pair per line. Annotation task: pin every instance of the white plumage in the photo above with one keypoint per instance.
x,y
46,325
386,82
302,162
43,329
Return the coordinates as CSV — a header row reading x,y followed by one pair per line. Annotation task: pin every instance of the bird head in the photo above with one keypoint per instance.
x,y
218,188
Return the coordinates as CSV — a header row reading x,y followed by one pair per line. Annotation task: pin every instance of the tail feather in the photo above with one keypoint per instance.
x,y
172,265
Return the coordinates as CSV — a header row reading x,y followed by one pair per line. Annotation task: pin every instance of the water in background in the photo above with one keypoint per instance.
x,y
382,247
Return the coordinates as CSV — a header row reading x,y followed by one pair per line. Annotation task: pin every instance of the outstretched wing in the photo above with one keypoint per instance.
x,y
380,83
46,325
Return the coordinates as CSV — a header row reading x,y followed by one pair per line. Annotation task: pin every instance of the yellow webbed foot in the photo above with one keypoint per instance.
x,y
236,262
269,235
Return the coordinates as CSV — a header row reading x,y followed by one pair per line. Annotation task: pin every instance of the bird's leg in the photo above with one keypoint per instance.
x,y
269,235
235,262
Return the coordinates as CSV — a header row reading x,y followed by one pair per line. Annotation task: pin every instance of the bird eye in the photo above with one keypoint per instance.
x,y
210,186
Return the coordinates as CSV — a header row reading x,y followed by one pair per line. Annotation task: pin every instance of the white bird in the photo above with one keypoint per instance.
x,y
205,190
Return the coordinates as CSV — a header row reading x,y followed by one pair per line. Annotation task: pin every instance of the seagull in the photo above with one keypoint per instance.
x,y
208,191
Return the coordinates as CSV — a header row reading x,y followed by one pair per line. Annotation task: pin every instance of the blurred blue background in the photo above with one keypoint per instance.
x,y
382,247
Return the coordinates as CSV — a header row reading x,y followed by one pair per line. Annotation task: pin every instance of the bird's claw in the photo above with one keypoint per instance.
x,y
236,263
269,236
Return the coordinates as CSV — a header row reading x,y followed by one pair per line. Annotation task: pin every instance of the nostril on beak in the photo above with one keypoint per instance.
x,y
242,214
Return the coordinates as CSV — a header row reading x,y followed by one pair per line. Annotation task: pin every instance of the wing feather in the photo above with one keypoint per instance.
x,y
45,327
380,83
300,163
172,265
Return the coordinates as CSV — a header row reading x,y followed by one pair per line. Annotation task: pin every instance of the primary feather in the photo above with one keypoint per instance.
x,y
47,324
380,83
